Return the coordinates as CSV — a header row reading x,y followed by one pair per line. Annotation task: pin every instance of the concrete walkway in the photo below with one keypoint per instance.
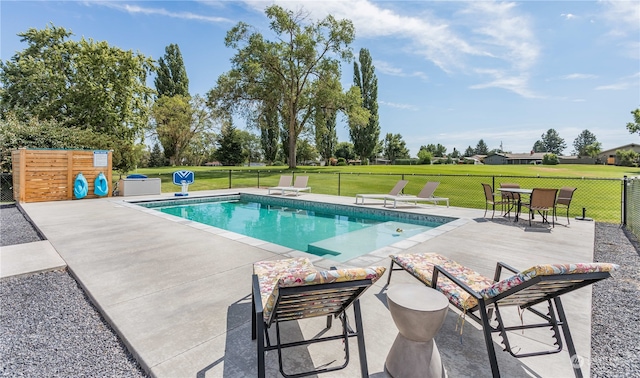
x,y
178,293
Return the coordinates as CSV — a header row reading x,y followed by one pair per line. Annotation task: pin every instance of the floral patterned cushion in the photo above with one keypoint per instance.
x,y
273,275
421,266
544,270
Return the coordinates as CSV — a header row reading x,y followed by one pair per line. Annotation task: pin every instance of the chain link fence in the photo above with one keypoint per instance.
x,y
632,206
602,199
6,188
598,198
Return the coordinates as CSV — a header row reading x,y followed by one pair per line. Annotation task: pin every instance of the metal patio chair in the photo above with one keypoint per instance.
x,y
292,289
490,199
479,297
543,201
564,199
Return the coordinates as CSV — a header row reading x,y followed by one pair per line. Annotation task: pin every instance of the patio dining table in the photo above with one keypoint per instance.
x,y
519,191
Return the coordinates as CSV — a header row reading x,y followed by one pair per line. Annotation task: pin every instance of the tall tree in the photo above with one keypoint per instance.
x,y
481,148
81,84
551,142
177,120
269,133
326,136
469,151
538,146
229,145
634,127
172,75
156,157
584,139
593,150
288,68
365,138
394,147
345,150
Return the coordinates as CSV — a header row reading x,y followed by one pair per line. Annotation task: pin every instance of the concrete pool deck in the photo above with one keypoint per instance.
x,y
179,294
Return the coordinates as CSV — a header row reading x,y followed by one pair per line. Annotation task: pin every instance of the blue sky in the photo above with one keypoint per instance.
x,y
449,72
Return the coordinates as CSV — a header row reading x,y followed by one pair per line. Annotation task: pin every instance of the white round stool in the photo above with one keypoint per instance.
x,y
419,312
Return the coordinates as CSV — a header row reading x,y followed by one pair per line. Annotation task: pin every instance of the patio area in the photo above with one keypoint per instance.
x,y
178,293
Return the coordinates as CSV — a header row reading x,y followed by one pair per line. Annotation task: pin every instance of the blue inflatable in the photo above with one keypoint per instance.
x,y
101,187
136,176
80,186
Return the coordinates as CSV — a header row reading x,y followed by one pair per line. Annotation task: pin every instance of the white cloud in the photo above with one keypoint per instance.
x,y
388,69
568,16
624,16
481,35
135,9
398,106
578,76
623,83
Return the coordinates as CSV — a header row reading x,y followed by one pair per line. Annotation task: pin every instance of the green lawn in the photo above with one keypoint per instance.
x,y
599,187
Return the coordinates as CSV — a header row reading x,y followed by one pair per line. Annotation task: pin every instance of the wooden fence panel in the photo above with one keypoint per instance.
x,y
48,175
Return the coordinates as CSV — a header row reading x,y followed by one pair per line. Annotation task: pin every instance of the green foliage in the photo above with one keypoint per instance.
x,y
33,133
156,157
634,127
306,152
365,138
345,150
424,156
469,151
326,136
584,140
481,148
550,142
172,77
394,147
229,150
250,146
178,119
628,158
81,85
593,149
435,150
550,159
295,73
341,162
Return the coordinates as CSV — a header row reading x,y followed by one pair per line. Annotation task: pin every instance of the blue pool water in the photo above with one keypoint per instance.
x,y
339,237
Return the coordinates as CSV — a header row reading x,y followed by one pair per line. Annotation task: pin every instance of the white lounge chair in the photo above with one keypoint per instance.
x,y
394,192
299,185
425,195
285,182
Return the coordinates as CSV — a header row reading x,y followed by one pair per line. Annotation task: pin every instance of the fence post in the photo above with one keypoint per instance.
x,y
338,183
493,183
258,179
624,201
229,179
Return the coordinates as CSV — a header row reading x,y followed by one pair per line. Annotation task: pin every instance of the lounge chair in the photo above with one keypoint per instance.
x,y
470,292
299,185
293,289
394,192
425,195
285,182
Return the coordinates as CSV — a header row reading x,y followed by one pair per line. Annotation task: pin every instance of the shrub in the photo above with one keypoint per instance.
x,y
628,158
341,162
550,159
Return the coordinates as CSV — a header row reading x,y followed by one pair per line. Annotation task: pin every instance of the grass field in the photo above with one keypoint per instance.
x,y
599,187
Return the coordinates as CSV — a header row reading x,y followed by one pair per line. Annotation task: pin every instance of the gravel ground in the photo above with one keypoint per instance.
x,y
49,328
615,323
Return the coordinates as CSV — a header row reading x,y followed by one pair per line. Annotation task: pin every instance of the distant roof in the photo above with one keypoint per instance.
x,y
625,147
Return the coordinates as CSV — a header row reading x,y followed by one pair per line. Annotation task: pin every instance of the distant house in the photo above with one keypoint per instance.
x,y
609,156
502,158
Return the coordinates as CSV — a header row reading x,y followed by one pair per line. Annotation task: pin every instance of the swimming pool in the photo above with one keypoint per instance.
x,y
336,232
